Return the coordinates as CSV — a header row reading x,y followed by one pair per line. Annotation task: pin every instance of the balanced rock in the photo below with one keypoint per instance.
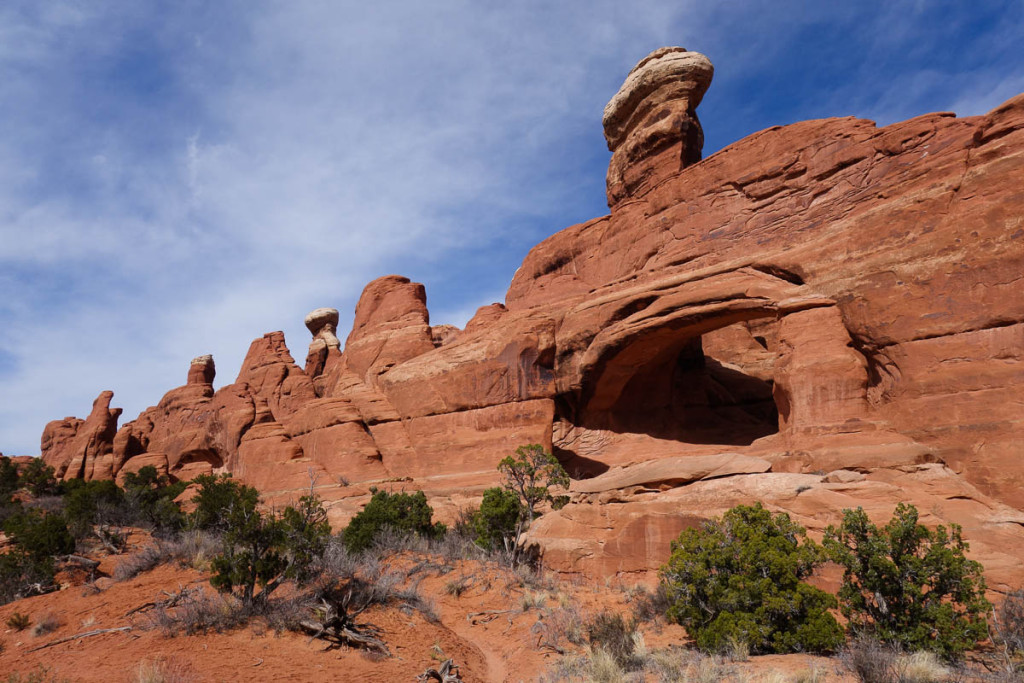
x,y
322,323
651,124
201,370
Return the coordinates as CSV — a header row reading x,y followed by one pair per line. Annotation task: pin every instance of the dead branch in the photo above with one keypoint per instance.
x,y
112,540
83,562
171,600
486,617
87,634
448,673
336,627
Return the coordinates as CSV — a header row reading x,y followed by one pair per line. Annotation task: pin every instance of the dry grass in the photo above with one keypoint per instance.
x,y
921,667
189,549
40,675
874,662
669,665
164,671
532,600
559,628
48,623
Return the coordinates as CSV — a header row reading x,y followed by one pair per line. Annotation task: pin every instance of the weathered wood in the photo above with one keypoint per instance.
x,y
448,673
87,634
83,562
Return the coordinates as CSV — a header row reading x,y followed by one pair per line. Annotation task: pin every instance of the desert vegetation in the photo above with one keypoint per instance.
x,y
911,602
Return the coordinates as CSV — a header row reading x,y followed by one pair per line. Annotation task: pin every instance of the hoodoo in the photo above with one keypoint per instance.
x,y
820,316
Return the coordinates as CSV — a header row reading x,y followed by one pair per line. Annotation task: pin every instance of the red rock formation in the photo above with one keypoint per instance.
x,y
83,448
819,316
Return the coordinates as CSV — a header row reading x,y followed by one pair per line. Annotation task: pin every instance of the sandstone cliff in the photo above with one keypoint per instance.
x,y
820,316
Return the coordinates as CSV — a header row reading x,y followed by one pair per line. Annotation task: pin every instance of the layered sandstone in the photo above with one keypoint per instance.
x,y
822,315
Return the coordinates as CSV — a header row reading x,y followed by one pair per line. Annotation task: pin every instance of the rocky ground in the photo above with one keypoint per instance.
x,y
495,623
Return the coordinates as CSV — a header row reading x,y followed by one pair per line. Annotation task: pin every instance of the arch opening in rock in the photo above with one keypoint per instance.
x,y
670,390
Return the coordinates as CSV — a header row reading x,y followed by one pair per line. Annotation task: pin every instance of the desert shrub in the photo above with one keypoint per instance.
x,y
264,549
198,612
869,660
22,575
38,478
9,508
907,585
498,522
39,536
402,512
48,623
85,502
558,627
648,605
8,477
613,634
18,621
1010,621
531,474
872,661
215,497
149,499
741,579
145,560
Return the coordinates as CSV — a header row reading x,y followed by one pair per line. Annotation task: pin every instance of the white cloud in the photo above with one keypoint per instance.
x,y
180,182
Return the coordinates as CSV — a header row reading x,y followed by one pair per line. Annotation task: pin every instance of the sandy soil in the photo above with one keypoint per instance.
x,y
497,629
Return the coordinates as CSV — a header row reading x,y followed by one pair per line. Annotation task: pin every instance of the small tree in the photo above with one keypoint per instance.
x,y
85,503
531,474
38,478
149,499
264,549
40,536
498,523
215,498
398,511
908,585
8,477
740,579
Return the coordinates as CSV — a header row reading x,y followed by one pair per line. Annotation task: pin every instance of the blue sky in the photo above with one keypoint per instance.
x,y
177,178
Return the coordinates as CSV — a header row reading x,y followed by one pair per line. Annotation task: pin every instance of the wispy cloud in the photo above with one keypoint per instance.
x,y
177,179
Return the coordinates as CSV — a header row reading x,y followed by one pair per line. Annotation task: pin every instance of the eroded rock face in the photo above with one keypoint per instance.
x,y
819,316
651,124
83,449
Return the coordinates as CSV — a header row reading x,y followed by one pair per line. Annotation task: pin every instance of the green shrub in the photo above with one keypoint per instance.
x,y
907,585
531,474
401,512
18,621
86,501
38,478
39,536
149,499
264,549
8,477
498,522
214,499
740,579
22,575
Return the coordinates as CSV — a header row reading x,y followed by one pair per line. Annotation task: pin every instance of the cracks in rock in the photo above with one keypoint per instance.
x,y
777,272
992,325
883,373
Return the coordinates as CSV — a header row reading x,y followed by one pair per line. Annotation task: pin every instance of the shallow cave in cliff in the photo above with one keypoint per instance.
x,y
675,392
195,462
